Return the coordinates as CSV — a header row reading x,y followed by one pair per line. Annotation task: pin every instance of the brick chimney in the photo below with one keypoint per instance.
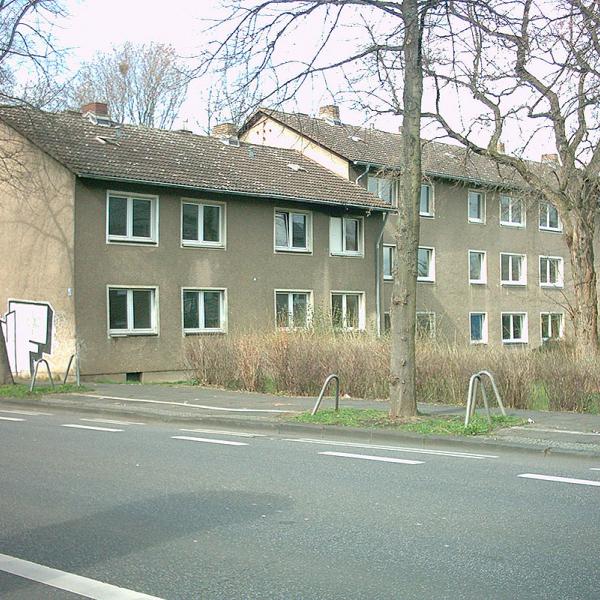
x,y
98,109
330,112
550,159
225,130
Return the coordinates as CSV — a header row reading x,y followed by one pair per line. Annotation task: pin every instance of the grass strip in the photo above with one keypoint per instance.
x,y
21,390
425,424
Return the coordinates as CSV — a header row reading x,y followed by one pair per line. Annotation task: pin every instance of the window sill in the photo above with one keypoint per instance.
x,y
552,286
427,215
477,282
388,279
279,250
514,341
188,244
475,222
512,225
348,254
422,280
513,283
479,343
550,230
122,334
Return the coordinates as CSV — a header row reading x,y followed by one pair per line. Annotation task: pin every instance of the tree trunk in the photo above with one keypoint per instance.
x,y
580,239
5,372
403,399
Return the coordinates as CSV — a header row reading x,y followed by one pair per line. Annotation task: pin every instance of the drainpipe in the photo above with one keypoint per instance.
x,y
379,279
367,169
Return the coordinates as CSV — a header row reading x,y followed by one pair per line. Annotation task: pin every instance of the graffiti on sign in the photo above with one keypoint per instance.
x,y
28,333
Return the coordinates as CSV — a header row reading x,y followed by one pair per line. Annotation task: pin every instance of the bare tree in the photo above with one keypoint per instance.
x,y
253,47
536,64
142,84
26,45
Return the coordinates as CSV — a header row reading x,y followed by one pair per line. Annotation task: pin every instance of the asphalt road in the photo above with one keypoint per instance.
x,y
136,511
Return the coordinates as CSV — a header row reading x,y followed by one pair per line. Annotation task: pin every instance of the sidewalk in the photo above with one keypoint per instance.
x,y
556,432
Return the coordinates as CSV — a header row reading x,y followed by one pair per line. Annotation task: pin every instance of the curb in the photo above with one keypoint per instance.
x,y
275,427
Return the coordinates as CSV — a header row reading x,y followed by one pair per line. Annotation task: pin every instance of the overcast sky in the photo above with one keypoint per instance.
x,y
98,25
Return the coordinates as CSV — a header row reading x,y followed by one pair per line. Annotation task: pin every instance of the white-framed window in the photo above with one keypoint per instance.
x,y
132,310
293,308
346,236
514,328
425,324
549,219
426,202
551,326
513,269
202,223
383,187
478,327
426,264
389,252
348,310
512,211
131,218
477,266
551,271
293,230
204,310
476,207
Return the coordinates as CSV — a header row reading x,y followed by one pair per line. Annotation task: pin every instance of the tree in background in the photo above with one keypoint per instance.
x,y
142,84
535,65
262,51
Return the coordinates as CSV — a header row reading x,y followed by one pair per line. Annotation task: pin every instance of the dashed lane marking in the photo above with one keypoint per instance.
x,y
187,404
560,479
111,422
75,426
76,584
393,448
376,458
217,432
594,469
31,413
207,440
10,419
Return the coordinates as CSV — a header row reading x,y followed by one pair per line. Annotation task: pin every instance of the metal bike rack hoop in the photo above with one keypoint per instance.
x,y
337,393
475,382
36,365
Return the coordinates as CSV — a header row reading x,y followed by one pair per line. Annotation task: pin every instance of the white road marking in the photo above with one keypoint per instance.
x,y
76,584
188,404
377,458
74,426
594,469
216,432
10,419
560,479
549,430
32,413
110,421
206,440
393,448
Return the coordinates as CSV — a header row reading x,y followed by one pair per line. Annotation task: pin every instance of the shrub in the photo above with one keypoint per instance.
x,y
297,363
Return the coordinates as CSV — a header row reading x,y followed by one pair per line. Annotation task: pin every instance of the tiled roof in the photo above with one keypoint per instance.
x,y
182,159
381,148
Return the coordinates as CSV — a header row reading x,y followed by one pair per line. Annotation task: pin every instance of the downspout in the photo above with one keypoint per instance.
x,y
379,279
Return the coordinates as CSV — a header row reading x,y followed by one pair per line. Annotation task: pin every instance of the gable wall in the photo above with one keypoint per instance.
x,y
36,245
268,132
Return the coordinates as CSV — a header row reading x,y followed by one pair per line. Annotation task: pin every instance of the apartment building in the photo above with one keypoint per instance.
x,y
493,265
125,243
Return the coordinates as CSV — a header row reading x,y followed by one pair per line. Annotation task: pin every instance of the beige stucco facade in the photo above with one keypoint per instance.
x,y
450,234
451,297
37,248
248,268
